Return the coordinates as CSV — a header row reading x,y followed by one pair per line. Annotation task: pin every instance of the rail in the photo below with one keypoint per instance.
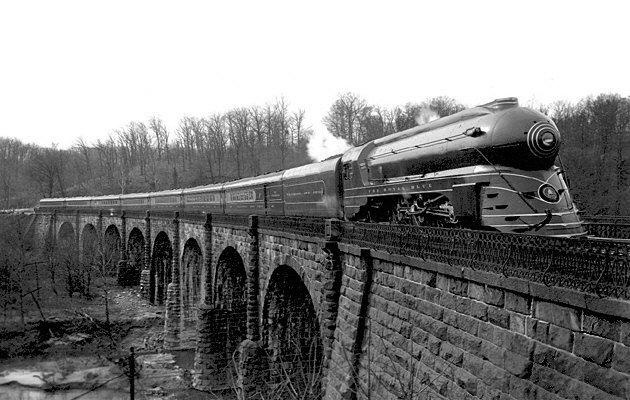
x,y
599,267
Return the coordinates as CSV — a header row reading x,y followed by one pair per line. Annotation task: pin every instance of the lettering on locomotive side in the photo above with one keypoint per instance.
x,y
305,192
203,198
274,193
241,196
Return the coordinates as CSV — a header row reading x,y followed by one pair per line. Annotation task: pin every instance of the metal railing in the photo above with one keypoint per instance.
x,y
306,226
194,217
607,226
230,220
600,267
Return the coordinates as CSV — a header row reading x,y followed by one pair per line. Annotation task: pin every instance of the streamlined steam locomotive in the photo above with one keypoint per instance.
x,y
488,167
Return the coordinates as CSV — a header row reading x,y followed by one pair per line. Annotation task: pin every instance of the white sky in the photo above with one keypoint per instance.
x,y
85,68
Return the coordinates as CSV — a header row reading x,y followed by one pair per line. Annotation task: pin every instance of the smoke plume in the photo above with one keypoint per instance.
x,y
426,115
323,145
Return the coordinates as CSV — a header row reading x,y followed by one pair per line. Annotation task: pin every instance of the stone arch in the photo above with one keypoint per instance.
x,y
135,248
192,267
65,235
161,268
90,255
66,260
89,245
291,334
230,301
66,246
111,250
285,260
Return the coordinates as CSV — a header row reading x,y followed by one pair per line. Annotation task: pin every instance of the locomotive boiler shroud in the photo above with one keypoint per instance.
x,y
499,132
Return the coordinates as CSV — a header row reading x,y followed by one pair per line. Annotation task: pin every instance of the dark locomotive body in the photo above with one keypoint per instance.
x,y
489,167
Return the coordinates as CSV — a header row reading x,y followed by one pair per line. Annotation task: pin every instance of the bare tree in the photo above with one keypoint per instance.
x,y
46,168
158,129
343,118
237,132
186,138
217,140
297,126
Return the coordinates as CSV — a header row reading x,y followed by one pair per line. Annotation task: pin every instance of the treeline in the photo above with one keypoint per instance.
x,y
596,151
248,141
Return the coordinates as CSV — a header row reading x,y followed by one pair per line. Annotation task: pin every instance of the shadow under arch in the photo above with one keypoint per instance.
x,y
66,261
291,335
111,251
135,249
65,235
65,248
230,301
89,249
89,255
161,268
192,267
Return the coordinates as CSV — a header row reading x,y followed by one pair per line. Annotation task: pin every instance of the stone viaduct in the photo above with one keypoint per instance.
x,y
340,310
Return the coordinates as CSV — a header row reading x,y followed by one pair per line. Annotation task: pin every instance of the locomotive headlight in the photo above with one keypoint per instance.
x,y
547,139
543,140
548,193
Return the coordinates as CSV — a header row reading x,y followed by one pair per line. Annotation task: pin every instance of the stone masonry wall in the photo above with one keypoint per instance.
x,y
304,257
439,331
41,230
222,237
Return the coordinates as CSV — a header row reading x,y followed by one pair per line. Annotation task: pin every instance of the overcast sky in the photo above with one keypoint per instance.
x,y
72,69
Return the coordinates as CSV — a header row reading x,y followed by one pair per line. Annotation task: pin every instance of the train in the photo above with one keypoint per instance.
x,y
491,167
